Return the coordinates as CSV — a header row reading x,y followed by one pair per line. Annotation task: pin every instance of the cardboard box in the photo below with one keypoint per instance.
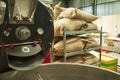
x,y
109,62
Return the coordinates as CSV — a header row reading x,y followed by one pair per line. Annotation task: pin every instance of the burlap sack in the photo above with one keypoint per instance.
x,y
77,14
90,42
57,39
72,44
86,58
70,24
90,26
57,10
68,13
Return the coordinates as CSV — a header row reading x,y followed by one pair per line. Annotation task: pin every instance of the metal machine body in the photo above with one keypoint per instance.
x,y
63,71
26,34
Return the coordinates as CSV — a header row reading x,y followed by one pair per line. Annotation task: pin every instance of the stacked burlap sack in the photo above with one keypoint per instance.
x,y
86,58
72,19
74,44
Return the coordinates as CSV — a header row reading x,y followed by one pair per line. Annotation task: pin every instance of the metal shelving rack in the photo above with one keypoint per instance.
x,y
81,51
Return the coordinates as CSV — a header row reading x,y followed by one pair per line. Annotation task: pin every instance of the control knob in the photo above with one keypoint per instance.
x,y
23,33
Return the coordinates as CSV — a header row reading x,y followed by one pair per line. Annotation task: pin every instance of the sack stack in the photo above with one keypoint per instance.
x,y
72,19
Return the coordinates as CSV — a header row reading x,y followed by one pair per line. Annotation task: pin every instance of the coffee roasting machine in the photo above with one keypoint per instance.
x,y
26,33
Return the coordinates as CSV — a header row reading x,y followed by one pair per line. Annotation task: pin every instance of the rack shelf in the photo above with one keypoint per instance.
x,y
81,51
70,54
82,32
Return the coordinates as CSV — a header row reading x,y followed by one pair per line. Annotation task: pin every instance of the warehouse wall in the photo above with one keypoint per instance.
x,y
57,1
75,3
104,7
108,23
110,8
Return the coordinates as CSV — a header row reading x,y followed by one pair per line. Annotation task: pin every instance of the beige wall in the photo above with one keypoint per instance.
x,y
108,23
